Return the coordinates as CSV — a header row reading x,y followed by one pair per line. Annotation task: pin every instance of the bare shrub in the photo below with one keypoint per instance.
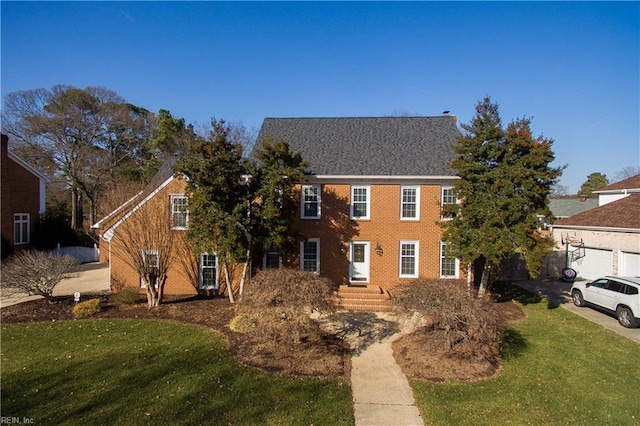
x,y
280,301
468,326
36,272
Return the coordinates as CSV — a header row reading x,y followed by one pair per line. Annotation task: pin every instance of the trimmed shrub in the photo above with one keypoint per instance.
x,y
468,325
87,308
281,300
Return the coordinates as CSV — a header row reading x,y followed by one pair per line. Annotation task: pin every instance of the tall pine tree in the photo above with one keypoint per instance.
x,y
505,180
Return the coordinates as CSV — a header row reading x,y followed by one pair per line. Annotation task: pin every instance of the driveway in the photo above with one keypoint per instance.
x,y
557,291
93,278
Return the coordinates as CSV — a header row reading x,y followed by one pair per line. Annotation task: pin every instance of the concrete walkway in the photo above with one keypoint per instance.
x,y
381,391
92,278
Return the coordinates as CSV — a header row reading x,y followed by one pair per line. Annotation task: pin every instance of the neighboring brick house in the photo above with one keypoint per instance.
x,y
604,240
374,196
23,191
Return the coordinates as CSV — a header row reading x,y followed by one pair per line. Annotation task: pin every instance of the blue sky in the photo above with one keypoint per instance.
x,y
571,66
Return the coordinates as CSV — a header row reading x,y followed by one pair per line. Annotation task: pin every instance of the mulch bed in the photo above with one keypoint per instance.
x,y
420,354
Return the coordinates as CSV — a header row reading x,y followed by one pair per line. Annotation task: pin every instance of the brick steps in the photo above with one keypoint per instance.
x,y
363,298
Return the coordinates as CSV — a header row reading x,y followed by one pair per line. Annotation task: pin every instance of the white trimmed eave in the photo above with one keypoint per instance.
x,y
380,179
101,222
109,233
598,228
618,191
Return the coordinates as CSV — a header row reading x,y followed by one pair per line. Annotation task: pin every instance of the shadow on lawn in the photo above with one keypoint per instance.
x,y
503,291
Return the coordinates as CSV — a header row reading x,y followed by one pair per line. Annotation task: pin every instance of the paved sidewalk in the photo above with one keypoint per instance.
x,y
381,391
93,278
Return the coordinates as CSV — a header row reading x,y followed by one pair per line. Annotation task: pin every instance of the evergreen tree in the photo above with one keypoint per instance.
x,y
505,179
594,182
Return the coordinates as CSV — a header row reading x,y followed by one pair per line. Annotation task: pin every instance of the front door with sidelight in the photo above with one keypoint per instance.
x,y
359,262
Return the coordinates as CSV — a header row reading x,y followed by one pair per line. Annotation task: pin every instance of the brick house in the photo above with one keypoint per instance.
x,y
374,196
167,192
23,191
369,209
604,240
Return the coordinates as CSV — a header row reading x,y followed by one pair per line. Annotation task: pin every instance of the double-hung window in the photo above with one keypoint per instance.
x,y
449,203
409,251
21,228
310,205
360,202
409,203
151,259
449,266
310,255
208,271
179,212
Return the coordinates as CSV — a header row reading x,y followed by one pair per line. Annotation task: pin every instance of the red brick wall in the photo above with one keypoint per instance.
x,y
20,194
384,228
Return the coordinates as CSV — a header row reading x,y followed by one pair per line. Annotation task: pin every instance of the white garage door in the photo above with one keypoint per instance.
x,y
594,264
630,264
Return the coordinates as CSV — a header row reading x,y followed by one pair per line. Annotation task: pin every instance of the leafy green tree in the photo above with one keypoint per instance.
x,y
594,182
505,179
218,198
276,173
235,204
170,136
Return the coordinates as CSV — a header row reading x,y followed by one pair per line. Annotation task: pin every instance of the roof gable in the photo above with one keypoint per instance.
x,y
622,213
369,146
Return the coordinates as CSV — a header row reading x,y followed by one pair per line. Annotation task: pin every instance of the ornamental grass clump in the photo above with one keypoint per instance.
x,y
86,309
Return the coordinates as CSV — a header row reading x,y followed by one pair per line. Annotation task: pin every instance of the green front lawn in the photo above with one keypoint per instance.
x,y
559,369
150,372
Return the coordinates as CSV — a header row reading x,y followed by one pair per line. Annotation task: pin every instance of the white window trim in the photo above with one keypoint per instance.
x,y
173,197
457,266
319,201
201,275
145,253
416,245
442,203
17,220
317,241
264,259
417,203
368,202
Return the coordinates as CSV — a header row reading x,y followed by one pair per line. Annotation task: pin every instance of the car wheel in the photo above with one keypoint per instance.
x,y
578,300
625,317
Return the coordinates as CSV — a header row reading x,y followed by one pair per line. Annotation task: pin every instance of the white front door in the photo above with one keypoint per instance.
x,y
359,262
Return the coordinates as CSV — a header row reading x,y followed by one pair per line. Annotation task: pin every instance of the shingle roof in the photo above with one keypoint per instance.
x,y
369,146
630,183
623,213
563,207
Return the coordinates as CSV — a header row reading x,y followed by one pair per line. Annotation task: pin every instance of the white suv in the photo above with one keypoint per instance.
x,y
616,294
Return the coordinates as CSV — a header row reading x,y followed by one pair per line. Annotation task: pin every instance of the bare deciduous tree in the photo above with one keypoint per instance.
x,y
36,272
146,243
